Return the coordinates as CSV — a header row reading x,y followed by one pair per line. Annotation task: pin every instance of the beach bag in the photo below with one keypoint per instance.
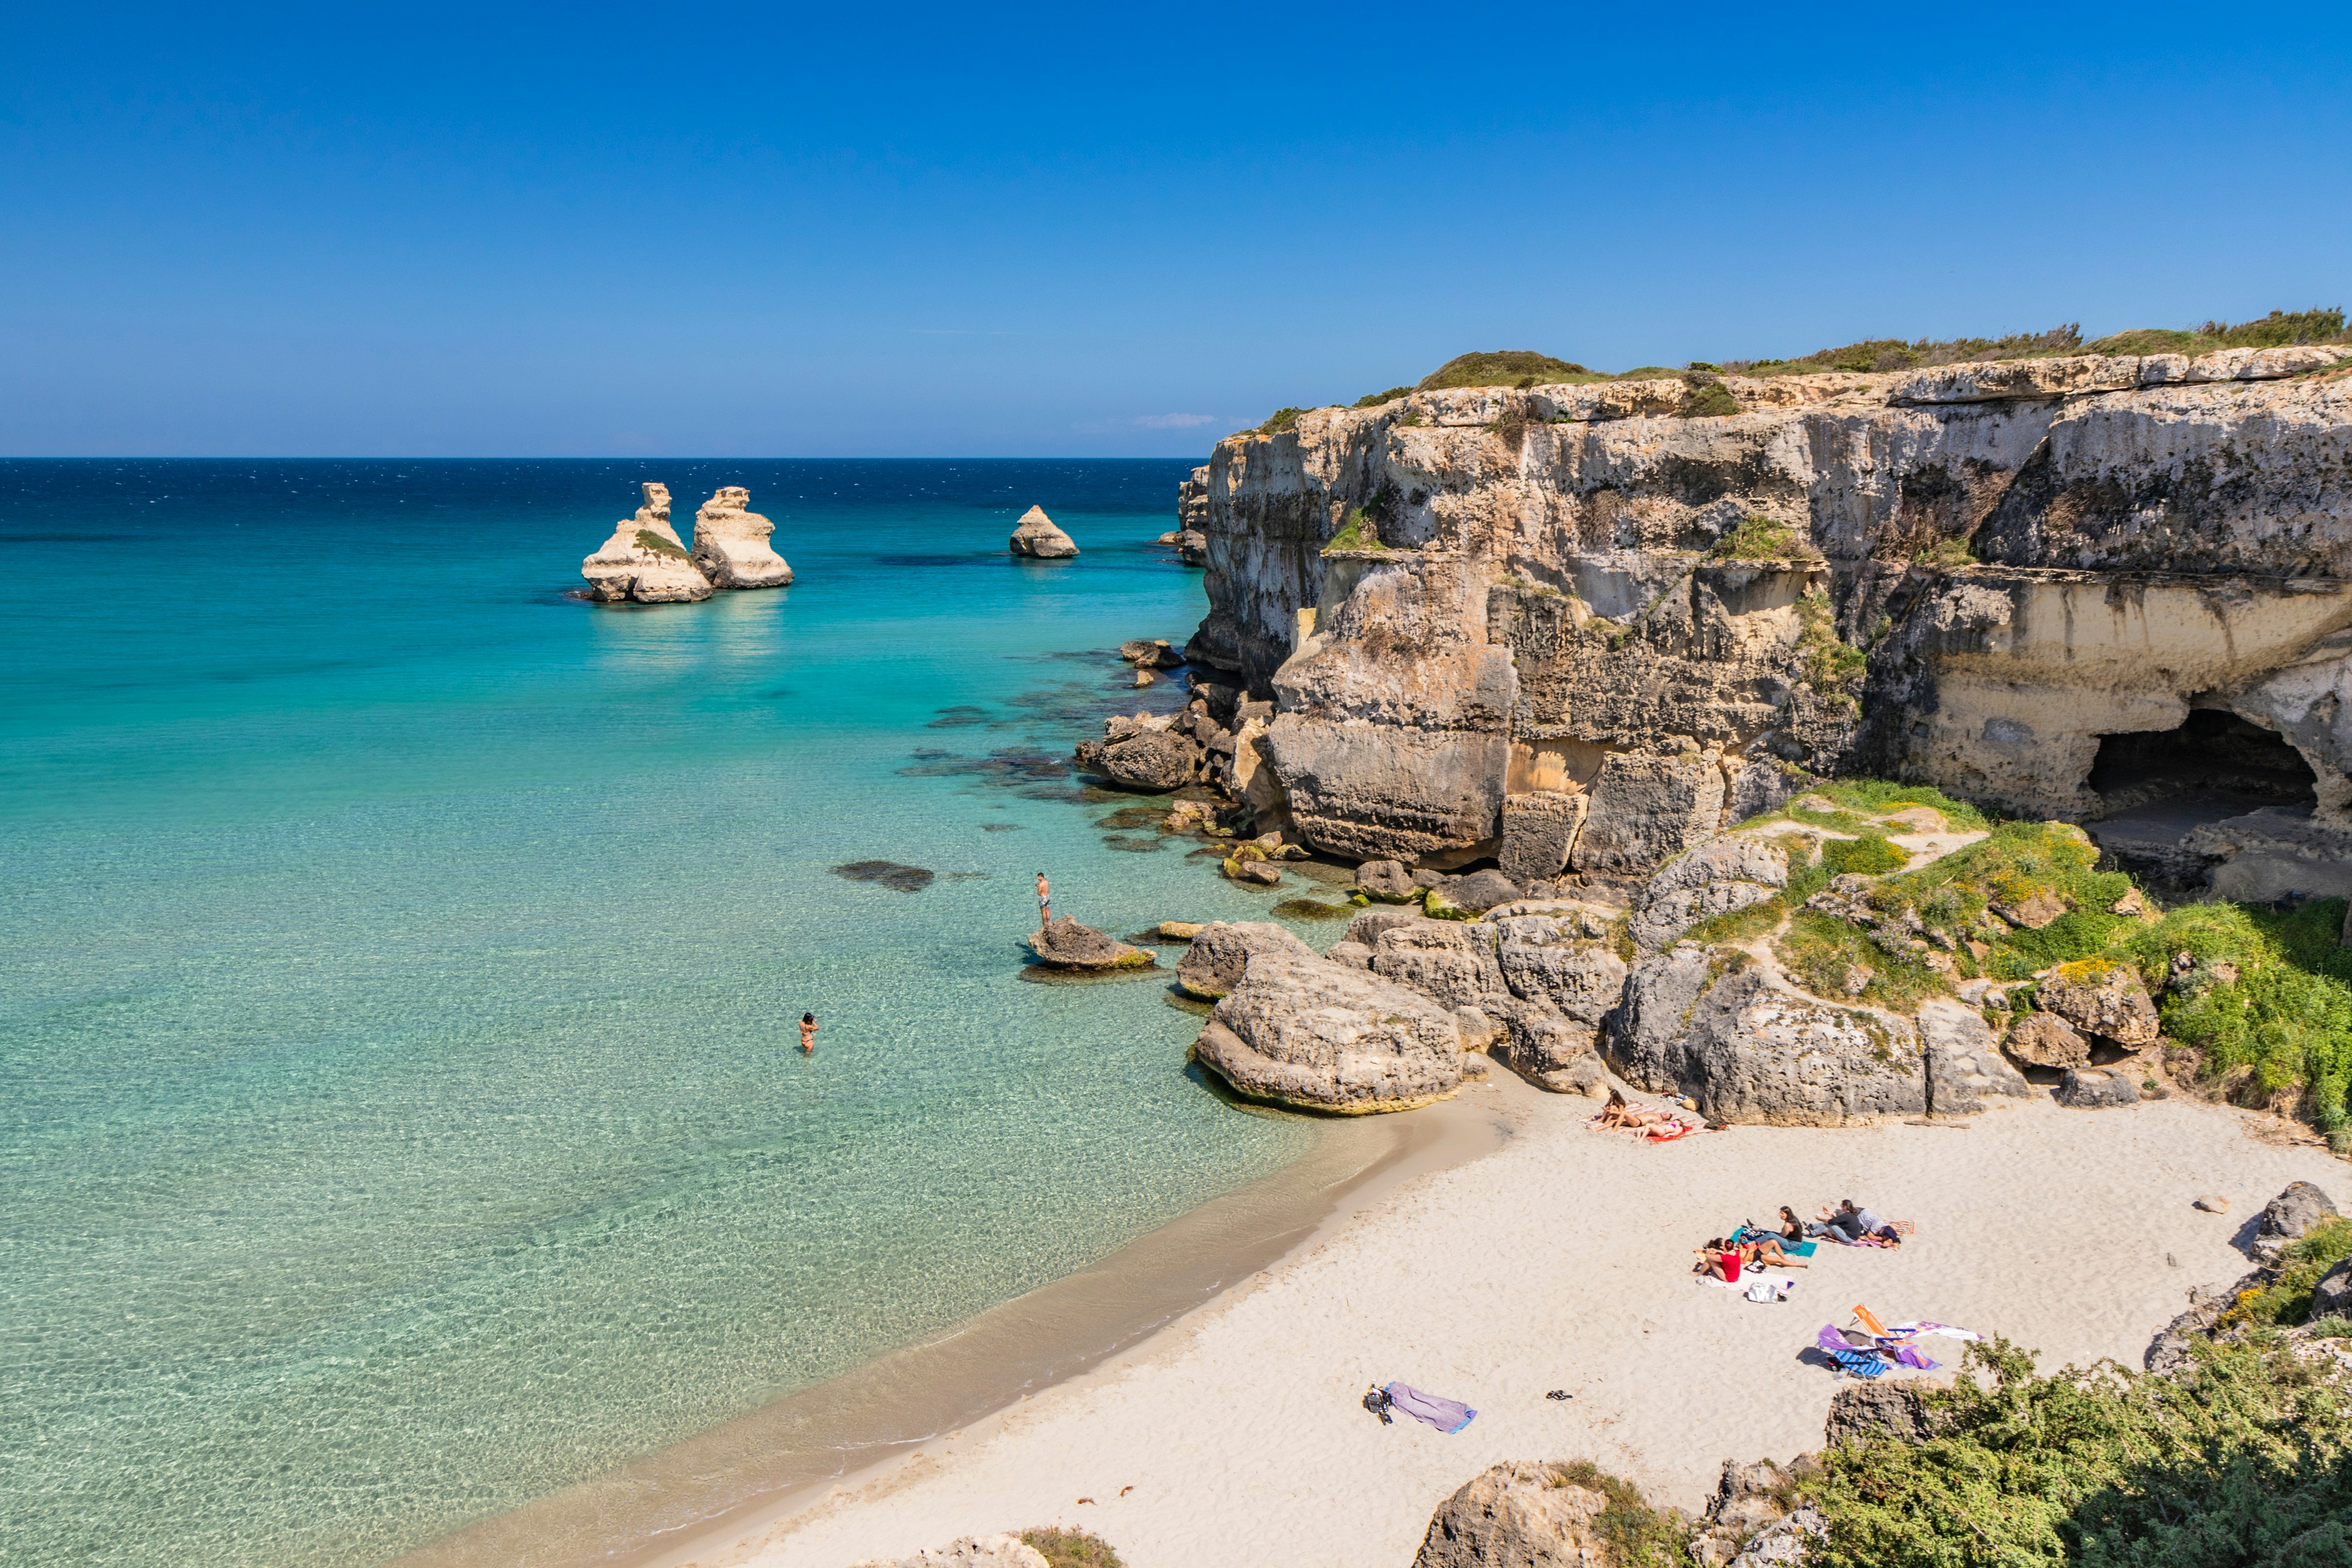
x,y
1761,1290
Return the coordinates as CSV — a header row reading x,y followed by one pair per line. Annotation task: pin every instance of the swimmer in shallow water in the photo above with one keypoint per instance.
x,y
808,1034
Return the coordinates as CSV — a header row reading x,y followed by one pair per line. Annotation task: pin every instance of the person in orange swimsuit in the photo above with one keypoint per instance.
x,y
808,1034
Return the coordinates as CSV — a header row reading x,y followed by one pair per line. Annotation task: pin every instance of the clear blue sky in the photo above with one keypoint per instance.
x,y
880,230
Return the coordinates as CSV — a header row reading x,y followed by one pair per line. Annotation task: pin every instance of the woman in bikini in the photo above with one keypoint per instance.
x,y
808,1034
1718,1259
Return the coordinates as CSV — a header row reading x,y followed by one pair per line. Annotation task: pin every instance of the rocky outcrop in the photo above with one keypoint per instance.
x,y
1318,1035
1965,1071
1064,943
1521,1515
730,543
1144,753
2101,996
971,1551
1036,536
1717,1025
2096,1089
644,561
1596,630
1191,513
1212,965
1718,877
1149,653
2291,1215
2046,1041
1884,1407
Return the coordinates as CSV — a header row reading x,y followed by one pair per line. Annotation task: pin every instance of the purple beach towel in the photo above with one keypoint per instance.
x,y
1861,1363
1445,1415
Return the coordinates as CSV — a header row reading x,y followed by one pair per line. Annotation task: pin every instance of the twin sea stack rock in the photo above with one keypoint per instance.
x,y
645,562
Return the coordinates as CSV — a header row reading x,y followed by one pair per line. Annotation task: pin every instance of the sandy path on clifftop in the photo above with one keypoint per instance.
x,y
1563,1262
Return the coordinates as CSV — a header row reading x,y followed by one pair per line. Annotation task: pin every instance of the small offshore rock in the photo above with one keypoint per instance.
x,y
1221,951
1151,653
1388,881
1181,931
2288,1216
2095,1089
730,543
1038,537
1064,943
1260,873
644,561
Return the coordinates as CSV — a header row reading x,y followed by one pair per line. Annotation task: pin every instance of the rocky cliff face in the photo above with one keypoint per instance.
x,y
1569,626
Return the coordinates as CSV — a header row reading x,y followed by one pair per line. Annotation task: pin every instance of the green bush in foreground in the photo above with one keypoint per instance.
x,y
1638,1535
2286,1300
1072,1549
2241,1459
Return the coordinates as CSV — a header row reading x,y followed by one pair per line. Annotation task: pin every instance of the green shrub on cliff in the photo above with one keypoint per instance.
x,y
1281,419
1705,397
1894,353
2280,329
2244,1458
1071,1548
2282,1028
1762,538
660,544
1356,531
1505,367
1374,399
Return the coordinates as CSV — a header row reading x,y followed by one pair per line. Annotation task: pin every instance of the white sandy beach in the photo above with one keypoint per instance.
x,y
1563,1262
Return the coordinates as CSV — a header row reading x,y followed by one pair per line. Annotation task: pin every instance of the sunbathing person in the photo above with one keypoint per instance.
x,y
1855,1225
1618,1113
1756,1254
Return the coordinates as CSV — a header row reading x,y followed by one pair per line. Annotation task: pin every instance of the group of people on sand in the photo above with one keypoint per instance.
x,y
1726,1257
1656,1125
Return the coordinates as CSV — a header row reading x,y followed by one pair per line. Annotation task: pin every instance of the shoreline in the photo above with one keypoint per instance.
x,y
705,1492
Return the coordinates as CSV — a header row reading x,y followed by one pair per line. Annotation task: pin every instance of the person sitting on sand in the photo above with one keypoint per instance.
x,y
1759,1253
1718,1259
1618,1113
1791,1228
1853,1225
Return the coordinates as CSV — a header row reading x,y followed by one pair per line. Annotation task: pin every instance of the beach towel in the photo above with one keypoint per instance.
x,y
1445,1415
1667,1132
1950,1333
1904,1354
1749,1232
1861,1363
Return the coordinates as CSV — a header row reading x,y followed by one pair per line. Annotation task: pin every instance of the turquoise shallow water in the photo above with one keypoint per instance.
x,y
400,1111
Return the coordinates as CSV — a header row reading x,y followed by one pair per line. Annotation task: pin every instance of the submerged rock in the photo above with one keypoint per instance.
x,y
643,560
1064,943
1036,536
890,873
730,543
1212,966
1311,1033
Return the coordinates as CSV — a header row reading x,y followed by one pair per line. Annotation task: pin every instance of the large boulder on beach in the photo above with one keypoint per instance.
x,y
2332,1296
1314,1035
1212,965
1551,1051
1064,943
1966,1070
644,561
730,543
2101,996
1521,1515
1718,877
2046,1041
1036,536
2096,1089
2289,1216
1714,1024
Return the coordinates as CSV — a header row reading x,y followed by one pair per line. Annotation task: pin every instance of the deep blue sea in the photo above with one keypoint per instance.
x,y
401,1113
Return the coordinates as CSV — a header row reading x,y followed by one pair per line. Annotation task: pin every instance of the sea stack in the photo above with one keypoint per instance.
x,y
645,560
1037,536
730,543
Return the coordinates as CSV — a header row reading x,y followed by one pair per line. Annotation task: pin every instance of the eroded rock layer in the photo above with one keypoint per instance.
x,y
1571,628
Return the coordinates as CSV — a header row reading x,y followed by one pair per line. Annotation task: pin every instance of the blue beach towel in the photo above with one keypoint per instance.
x,y
1861,1363
1445,1415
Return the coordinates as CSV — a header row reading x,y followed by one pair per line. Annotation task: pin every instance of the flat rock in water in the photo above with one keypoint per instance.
x,y
1065,944
890,873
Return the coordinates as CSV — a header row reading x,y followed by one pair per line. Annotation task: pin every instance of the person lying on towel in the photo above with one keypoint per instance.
x,y
1852,1226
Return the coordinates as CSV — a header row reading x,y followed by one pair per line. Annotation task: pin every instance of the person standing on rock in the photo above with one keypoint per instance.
x,y
808,1034
1045,902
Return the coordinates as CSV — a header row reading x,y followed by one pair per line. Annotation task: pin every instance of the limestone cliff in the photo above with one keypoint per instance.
x,y
730,543
645,560
1583,626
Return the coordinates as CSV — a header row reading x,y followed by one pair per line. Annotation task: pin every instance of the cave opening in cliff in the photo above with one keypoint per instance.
x,y
2214,756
